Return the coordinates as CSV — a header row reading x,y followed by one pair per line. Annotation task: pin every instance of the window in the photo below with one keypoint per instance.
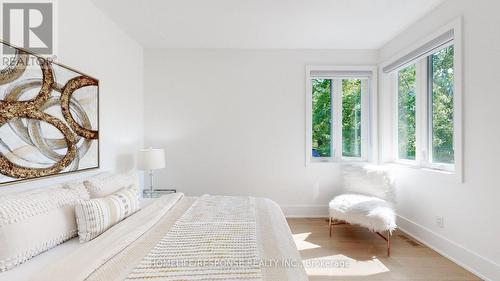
x,y
337,114
441,88
436,73
322,117
427,98
406,112
351,118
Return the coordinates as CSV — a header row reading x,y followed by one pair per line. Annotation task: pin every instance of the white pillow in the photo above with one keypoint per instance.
x,y
106,183
369,180
34,221
97,215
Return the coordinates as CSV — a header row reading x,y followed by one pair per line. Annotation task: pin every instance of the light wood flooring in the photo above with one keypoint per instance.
x,y
354,253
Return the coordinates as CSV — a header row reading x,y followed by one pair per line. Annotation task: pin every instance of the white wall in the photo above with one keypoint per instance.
x,y
233,122
471,209
88,41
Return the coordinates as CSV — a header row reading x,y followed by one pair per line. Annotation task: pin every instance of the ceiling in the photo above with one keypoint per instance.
x,y
294,24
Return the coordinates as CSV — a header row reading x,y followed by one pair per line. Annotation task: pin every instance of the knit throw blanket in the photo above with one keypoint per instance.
x,y
214,240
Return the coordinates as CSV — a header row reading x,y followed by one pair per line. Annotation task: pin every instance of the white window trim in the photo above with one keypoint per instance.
x,y
368,113
422,149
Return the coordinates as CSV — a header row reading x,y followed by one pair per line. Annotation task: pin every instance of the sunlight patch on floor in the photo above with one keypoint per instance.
x,y
301,243
340,265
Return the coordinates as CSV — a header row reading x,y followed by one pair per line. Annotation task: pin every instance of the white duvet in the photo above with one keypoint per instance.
x,y
115,253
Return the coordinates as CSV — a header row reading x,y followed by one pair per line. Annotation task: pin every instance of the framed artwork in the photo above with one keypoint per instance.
x,y
49,118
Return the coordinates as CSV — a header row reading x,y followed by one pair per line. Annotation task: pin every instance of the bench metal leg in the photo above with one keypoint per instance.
x,y
388,240
389,243
330,225
332,222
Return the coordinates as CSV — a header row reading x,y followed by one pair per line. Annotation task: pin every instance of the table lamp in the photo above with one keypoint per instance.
x,y
151,159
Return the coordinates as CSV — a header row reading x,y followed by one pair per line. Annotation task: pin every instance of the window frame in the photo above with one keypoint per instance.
x,y
368,112
423,110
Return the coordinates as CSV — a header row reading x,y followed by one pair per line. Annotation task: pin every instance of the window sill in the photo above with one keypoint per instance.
x,y
346,161
439,174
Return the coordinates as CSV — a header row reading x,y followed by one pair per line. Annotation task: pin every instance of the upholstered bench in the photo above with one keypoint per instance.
x,y
367,200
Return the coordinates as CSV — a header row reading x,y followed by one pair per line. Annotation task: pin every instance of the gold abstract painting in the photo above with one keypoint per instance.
x,y
49,118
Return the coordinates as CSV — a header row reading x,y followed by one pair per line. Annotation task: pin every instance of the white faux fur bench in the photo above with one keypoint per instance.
x,y
367,200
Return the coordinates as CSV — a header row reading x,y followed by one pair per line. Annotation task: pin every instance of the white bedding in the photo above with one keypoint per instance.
x,y
112,255
38,263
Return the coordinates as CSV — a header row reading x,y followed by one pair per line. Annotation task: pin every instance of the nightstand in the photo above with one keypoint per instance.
x,y
157,192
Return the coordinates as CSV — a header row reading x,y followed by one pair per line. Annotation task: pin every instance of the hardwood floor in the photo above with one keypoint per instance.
x,y
354,253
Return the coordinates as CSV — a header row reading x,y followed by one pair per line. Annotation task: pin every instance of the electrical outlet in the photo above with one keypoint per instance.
x,y
440,221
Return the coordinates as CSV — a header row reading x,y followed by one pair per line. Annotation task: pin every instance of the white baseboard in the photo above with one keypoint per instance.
x,y
471,261
305,211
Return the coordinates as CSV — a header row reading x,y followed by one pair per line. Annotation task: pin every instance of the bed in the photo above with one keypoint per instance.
x,y
176,237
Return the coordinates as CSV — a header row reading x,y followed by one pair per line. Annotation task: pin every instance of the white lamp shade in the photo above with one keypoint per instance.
x,y
151,159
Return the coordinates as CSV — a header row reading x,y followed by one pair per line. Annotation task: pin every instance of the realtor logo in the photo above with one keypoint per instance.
x,y
29,26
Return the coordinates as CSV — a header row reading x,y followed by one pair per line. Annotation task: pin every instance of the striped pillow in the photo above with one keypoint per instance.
x,y
97,215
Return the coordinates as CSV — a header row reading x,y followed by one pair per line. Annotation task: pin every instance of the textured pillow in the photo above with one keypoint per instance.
x,y
34,221
106,183
97,215
369,180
